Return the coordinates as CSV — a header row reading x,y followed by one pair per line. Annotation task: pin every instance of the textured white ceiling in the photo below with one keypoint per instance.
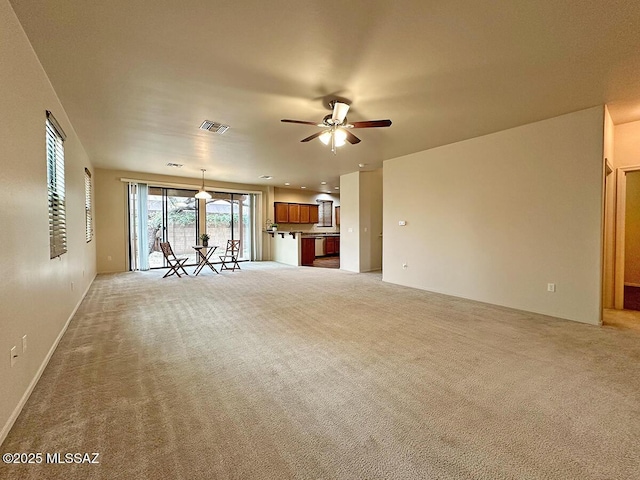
x,y
137,78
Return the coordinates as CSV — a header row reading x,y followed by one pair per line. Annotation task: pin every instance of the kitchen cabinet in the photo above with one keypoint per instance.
x,y
313,213
285,212
305,212
330,246
308,254
337,245
294,213
337,215
281,212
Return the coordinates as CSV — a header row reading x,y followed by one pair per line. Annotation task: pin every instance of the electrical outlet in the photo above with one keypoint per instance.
x,y
551,287
24,343
108,258
14,355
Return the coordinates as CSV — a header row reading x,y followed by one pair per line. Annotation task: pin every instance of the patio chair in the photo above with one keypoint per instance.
x,y
175,263
230,256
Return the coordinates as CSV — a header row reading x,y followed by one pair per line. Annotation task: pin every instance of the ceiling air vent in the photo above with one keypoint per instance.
x,y
175,165
214,127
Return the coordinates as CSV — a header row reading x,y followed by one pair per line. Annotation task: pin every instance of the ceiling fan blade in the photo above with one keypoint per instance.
x,y
299,121
339,112
311,137
371,124
351,138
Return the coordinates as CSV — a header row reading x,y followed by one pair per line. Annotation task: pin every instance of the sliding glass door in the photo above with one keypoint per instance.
x,y
159,214
229,218
171,217
182,223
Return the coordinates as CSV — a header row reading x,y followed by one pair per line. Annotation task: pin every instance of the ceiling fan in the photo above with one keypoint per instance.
x,y
336,127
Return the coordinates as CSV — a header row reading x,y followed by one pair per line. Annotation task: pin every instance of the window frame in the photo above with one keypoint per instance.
x,y
88,205
56,191
325,213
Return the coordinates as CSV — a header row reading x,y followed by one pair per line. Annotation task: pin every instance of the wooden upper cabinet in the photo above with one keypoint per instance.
x,y
337,215
305,213
294,213
281,212
313,214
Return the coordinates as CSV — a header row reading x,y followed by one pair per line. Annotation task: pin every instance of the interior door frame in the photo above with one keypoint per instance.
x,y
621,207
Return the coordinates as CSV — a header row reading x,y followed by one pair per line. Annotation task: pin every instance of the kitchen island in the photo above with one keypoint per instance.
x,y
301,248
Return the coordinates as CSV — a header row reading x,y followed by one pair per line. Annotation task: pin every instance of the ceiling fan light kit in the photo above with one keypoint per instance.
x,y
337,127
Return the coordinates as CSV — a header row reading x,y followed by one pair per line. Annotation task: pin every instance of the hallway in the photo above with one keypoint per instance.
x,y
623,319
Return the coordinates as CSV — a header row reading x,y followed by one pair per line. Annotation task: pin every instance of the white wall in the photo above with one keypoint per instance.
x,y
286,249
36,296
350,222
496,218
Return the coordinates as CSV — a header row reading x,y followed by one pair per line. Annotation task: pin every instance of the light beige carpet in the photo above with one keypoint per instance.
x,y
278,372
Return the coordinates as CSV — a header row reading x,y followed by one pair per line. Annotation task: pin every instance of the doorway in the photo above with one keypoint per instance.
x,y
229,216
157,215
627,259
631,294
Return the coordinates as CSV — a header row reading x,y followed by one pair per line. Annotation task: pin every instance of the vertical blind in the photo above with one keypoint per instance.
x,y
56,191
88,202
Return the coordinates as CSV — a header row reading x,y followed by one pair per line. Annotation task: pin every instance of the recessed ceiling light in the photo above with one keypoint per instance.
x,y
303,187
337,188
362,165
323,183
175,165
266,177
287,183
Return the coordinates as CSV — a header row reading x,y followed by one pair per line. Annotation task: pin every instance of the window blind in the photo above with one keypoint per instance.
x,y
325,213
88,202
56,190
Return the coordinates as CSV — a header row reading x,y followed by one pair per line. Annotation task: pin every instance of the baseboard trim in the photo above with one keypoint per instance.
x,y
16,412
629,284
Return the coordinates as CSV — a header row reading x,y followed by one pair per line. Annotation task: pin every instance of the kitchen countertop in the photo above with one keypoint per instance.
x,y
320,235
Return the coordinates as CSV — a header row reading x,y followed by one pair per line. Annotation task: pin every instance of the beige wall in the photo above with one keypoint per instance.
x,y
298,196
609,213
627,144
37,295
497,218
632,230
361,221
111,208
370,221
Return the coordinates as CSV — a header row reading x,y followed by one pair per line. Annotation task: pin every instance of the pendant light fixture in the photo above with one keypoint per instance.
x,y
203,194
